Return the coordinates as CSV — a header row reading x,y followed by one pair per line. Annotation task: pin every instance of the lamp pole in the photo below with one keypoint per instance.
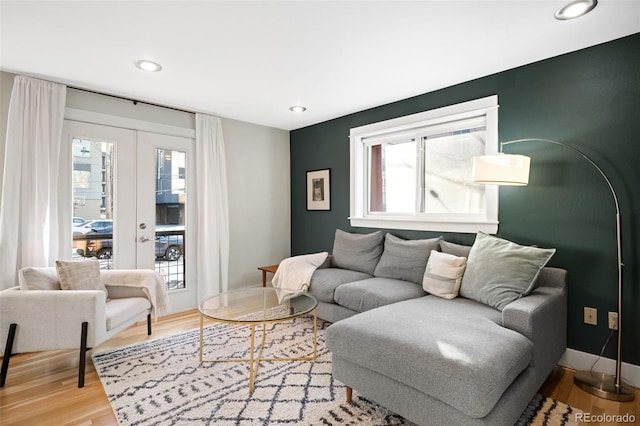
x,y
599,384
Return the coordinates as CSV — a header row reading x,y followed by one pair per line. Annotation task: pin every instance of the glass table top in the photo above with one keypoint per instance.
x,y
256,304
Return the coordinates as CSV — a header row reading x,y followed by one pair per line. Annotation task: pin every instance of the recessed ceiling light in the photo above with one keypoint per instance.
x,y
147,65
297,108
575,9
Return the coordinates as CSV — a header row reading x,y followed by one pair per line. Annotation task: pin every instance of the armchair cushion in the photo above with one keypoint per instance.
x,y
44,278
136,282
120,311
80,275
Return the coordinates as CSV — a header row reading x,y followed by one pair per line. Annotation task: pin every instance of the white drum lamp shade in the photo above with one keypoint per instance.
x,y
501,169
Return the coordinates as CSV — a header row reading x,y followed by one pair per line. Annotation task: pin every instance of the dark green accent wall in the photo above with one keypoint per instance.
x,y
589,99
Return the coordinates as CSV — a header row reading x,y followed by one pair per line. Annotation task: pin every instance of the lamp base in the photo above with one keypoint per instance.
x,y
603,386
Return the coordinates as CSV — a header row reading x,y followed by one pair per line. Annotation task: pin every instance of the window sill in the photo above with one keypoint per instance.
x,y
424,225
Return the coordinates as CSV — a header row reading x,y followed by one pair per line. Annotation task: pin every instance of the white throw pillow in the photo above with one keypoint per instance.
x,y
80,275
443,275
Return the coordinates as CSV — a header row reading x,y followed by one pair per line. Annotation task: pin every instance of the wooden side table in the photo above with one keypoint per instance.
x,y
265,269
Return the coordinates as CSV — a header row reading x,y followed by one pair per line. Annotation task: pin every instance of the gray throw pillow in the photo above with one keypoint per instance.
x,y
500,271
454,249
357,252
405,259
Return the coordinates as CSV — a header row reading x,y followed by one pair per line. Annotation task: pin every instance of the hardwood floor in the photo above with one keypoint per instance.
x,y
559,385
41,388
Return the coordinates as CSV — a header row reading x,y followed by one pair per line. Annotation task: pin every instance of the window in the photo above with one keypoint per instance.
x,y
414,172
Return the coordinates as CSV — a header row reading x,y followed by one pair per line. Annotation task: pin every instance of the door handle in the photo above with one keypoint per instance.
x,y
143,239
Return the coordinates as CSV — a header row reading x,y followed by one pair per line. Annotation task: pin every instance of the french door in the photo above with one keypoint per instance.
x,y
132,203
164,181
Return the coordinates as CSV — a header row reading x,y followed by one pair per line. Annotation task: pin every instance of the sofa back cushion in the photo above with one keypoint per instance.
x,y
38,278
405,259
454,249
357,252
500,271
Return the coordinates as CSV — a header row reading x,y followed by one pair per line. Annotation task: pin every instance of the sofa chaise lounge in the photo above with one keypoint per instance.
x,y
469,360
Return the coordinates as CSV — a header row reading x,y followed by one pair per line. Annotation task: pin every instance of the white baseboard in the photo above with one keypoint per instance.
x,y
582,361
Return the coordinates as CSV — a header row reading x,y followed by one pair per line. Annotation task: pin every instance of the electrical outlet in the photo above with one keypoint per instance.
x,y
590,316
613,320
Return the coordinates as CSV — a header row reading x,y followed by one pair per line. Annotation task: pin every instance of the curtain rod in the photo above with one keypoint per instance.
x,y
135,101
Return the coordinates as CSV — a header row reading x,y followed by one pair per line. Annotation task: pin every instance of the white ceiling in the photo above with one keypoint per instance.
x,y
251,61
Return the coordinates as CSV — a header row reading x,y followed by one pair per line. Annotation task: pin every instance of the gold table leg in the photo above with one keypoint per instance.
x,y
254,363
252,376
201,327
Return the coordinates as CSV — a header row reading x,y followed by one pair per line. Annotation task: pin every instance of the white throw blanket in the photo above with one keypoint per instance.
x,y
294,273
150,282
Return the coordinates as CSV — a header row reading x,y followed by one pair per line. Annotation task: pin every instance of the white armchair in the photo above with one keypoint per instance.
x,y
39,316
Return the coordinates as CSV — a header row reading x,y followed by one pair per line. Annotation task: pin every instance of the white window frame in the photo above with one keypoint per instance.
x,y
461,223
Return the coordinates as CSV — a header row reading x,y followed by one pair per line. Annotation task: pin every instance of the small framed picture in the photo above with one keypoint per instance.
x,y
319,189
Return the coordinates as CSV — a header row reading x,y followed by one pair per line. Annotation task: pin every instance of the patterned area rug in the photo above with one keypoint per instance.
x,y
161,382
543,411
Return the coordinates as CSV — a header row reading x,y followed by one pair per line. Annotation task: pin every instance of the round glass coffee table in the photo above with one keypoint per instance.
x,y
254,306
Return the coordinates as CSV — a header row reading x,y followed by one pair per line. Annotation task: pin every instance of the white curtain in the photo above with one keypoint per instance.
x,y
212,254
35,210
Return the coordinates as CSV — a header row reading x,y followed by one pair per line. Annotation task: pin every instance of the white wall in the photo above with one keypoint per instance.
x,y
259,199
124,108
258,178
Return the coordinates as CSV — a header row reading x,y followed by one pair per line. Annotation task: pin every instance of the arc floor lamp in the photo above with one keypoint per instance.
x,y
510,169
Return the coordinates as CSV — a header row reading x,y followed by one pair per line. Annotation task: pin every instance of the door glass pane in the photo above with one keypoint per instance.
x,y
171,200
93,197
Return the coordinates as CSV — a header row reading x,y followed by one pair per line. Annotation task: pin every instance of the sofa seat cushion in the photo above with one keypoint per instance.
x,y
448,349
324,281
371,293
121,311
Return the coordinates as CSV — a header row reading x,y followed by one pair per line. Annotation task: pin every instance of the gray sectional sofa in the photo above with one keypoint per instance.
x,y
475,359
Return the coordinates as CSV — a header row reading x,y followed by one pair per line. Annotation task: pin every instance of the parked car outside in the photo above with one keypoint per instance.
x,y
86,247
78,221
101,226
102,249
169,247
83,228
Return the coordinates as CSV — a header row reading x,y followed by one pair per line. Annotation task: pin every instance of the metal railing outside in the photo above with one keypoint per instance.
x,y
169,254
